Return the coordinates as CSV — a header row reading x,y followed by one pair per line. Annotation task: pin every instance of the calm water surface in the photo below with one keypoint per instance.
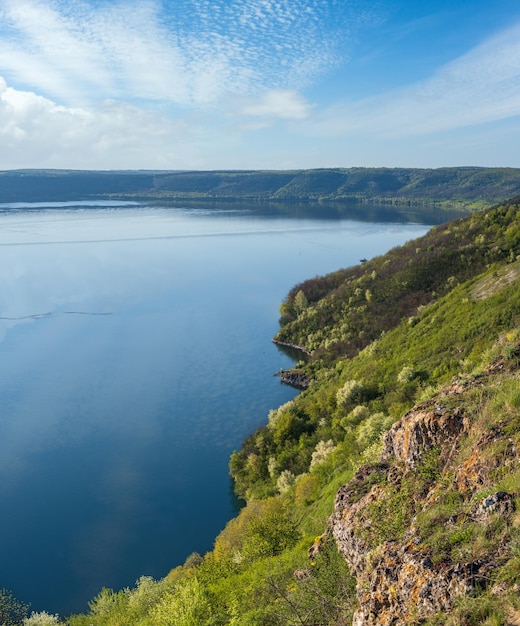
x,y
135,355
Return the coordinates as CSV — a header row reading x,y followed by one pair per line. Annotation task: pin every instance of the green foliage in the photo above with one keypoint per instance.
x,y
42,619
319,595
370,430
285,481
306,490
188,605
406,375
322,452
390,515
269,535
350,393
262,528
300,302
340,321
12,611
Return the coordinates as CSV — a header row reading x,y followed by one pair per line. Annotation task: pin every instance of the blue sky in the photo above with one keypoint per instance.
x,y
256,84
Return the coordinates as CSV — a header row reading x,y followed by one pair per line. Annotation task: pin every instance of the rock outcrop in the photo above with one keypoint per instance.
x,y
402,576
294,378
420,430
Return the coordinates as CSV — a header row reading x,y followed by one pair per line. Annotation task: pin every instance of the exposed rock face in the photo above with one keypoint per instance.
x,y
294,378
421,430
403,584
400,581
397,581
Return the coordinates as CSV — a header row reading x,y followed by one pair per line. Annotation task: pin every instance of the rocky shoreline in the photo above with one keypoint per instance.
x,y
292,346
294,378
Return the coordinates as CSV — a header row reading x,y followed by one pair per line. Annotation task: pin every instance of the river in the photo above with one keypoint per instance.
x,y
135,356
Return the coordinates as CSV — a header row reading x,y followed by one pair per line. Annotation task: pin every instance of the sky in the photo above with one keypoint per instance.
x,y
259,84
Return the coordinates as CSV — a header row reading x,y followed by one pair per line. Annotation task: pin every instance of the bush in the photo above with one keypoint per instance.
x,y
188,605
306,490
351,391
12,612
285,481
371,429
42,619
321,453
406,375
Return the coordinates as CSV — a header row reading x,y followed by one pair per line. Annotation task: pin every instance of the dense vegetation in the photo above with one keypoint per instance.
x,y
382,337
468,187
338,314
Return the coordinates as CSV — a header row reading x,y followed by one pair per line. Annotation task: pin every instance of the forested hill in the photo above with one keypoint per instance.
x,y
469,187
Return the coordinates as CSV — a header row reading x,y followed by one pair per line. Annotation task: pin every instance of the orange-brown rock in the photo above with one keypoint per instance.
x,y
401,581
421,430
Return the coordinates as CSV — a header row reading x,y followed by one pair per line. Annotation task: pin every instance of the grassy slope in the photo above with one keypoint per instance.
x,y
466,316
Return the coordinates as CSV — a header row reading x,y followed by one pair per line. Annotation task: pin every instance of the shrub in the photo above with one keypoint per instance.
x,y
351,391
371,429
269,535
300,302
322,451
188,605
42,619
358,414
285,481
12,612
406,375
275,414
306,489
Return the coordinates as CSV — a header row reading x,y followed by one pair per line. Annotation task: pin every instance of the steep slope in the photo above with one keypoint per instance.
x,y
339,314
432,527
428,526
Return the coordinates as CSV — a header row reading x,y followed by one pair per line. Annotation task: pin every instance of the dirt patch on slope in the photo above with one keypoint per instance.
x,y
490,285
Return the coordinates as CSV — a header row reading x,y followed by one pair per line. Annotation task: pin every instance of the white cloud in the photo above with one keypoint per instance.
x,y
279,103
36,132
136,84
481,86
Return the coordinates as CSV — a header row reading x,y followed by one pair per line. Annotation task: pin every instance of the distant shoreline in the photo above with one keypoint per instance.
x,y
462,188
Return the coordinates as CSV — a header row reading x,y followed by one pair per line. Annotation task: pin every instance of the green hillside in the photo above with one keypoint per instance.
x,y
461,187
418,526
339,314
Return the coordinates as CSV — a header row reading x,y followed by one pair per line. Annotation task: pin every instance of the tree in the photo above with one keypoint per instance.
x,y
300,302
351,391
12,612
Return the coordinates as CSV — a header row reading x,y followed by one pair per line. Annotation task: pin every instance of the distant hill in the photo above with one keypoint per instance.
x,y
462,187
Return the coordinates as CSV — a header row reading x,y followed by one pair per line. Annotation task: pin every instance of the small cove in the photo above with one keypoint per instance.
x,y
135,355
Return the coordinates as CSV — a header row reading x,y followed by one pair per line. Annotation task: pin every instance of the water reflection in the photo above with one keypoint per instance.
x,y
328,211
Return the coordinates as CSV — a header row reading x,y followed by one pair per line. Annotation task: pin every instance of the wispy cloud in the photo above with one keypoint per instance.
x,y
192,55
479,87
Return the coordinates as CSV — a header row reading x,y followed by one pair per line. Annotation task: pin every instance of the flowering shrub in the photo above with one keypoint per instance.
x,y
321,452
350,392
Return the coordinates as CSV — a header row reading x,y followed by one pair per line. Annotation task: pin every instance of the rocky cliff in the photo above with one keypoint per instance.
x,y
434,520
